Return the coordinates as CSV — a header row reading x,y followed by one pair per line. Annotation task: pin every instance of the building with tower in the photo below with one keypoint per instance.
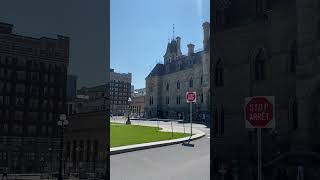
x,y
266,48
167,83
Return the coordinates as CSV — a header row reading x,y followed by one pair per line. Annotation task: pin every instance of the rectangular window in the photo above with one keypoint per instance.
x,y
34,76
21,75
44,130
49,131
2,73
7,100
20,88
18,115
5,128
46,78
1,86
8,87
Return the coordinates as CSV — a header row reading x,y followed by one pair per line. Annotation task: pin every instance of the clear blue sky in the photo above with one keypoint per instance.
x,y
140,30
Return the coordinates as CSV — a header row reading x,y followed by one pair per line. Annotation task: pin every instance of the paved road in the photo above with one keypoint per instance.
x,y
175,162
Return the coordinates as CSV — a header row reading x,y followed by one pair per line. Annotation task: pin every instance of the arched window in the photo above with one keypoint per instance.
x,y
178,84
201,80
222,120
191,82
219,71
318,28
260,65
293,57
295,115
88,150
167,87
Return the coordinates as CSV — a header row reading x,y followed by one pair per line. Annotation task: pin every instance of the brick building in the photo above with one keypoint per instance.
x,y
33,74
120,91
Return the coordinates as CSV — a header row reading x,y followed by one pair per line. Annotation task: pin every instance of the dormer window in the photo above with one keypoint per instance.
x,y
260,65
191,82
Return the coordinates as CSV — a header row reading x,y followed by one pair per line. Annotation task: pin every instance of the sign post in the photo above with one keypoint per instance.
x,y
191,98
259,113
191,118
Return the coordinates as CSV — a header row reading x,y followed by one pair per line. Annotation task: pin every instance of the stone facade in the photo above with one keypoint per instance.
x,y
269,51
167,83
137,106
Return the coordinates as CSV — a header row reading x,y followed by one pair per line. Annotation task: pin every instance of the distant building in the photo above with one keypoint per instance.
x,y
132,89
88,99
86,142
71,86
138,102
139,92
120,91
33,78
167,84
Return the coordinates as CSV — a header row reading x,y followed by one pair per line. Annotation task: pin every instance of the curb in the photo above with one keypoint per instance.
x,y
137,147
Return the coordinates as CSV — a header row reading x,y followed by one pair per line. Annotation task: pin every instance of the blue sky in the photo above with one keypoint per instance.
x,y
140,30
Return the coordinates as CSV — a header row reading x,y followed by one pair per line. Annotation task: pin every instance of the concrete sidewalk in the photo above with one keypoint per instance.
x,y
165,128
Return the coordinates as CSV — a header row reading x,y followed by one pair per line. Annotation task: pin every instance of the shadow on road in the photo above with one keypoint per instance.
x,y
188,144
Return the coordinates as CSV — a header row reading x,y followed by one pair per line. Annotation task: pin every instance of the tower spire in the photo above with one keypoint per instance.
x,y
173,32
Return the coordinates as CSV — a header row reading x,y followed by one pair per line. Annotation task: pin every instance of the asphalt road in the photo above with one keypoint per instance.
x,y
175,162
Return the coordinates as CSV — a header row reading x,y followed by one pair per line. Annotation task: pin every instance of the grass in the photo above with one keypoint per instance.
x,y
121,134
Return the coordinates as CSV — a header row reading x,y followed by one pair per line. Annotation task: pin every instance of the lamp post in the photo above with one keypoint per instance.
x,y
50,159
62,122
41,164
77,159
128,120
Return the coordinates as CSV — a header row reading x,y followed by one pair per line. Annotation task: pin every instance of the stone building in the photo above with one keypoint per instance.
x,y
137,106
89,99
33,76
266,48
86,138
167,83
120,91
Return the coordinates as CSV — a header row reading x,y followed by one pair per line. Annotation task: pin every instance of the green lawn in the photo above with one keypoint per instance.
x,y
121,134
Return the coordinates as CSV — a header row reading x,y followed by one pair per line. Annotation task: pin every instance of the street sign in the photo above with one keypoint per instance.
x,y
191,97
259,112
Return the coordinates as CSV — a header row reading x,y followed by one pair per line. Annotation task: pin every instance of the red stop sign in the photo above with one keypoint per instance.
x,y
191,97
259,112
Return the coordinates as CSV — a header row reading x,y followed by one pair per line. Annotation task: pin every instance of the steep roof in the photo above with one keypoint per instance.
x,y
156,71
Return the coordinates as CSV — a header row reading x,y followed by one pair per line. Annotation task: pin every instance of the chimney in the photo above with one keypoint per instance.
x,y
206,34
178,46
190,49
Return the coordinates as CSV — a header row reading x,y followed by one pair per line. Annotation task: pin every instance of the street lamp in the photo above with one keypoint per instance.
x,y
77,159
50,160
128,120
62,122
